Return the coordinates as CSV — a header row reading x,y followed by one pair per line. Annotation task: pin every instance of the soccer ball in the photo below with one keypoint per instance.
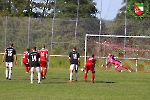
x,y
82,69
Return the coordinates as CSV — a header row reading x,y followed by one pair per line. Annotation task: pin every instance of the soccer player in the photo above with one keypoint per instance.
x,y
33,60
43,60
74,58
111,59
89,65
9,57
25,60
117,64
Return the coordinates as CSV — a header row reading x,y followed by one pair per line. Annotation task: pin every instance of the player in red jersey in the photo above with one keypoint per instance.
x,y
43,60
90,64
25,60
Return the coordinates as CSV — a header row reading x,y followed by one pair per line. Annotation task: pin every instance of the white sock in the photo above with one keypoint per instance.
x,y
10,72
31,77
6,72
70,76
39,77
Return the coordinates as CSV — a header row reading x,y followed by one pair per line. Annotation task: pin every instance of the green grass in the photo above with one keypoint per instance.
x,y
109,85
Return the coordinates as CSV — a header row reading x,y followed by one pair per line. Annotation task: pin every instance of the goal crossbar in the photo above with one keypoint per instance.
x,y
120,36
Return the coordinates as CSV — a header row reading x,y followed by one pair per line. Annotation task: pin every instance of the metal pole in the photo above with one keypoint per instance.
x,y
6,31
125,29
76,24
28,32
85,48
100,31
136,60
53,26
52,33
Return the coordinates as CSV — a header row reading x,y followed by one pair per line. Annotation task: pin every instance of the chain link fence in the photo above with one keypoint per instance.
x,y
60,35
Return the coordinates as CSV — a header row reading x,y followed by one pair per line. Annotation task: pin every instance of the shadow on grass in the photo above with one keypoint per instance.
x,y
104,82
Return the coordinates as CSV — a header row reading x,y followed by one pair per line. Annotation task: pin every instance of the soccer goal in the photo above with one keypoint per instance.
x,y
125,47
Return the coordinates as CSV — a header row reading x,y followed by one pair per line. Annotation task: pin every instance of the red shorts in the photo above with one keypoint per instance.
x,y
89,66
43,64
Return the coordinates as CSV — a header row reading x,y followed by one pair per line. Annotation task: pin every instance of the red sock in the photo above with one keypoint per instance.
x,y
41,71
44,72
93,76
26,69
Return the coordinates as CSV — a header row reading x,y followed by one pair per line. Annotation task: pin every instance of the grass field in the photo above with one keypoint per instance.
x,y
109,85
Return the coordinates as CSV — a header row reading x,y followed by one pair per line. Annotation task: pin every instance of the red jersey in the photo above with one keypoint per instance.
x,y
91,60
90,63
25,57
43,54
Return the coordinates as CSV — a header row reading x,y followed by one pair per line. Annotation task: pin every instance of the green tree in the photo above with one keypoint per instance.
x,y
61,8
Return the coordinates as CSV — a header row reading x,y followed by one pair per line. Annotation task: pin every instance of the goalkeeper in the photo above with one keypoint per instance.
x,y
117,64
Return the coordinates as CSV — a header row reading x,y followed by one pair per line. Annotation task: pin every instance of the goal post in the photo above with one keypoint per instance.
x,y
125,47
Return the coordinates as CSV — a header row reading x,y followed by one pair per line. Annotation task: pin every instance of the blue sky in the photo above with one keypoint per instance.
x,y
109,8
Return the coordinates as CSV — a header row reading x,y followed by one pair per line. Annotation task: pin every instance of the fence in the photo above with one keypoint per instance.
x,y
61,62
60,35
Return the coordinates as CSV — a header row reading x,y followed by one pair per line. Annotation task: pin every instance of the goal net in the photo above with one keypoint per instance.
x,y
125,47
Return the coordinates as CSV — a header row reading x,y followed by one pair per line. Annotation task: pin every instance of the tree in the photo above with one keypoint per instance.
x,y
12,8
47,8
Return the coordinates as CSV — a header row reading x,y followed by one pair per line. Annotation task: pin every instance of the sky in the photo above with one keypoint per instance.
x,y
109,8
